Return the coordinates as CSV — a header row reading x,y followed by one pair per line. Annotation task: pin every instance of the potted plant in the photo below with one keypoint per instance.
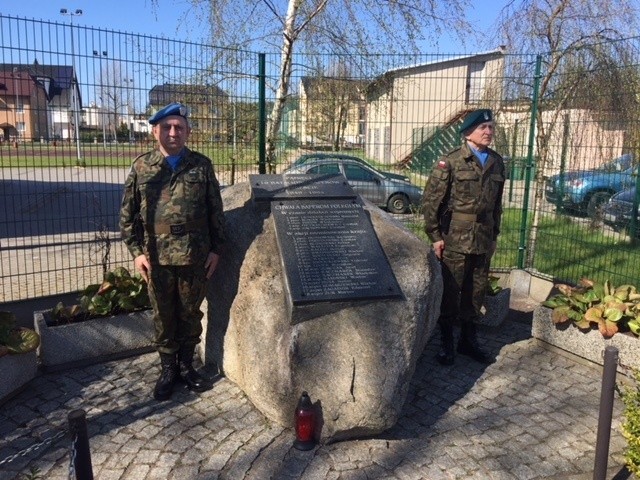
x,y
586,318
18,361
112,320
496,303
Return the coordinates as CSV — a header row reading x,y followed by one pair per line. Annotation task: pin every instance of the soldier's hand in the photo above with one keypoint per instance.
x,y
143,266
211,263
438,248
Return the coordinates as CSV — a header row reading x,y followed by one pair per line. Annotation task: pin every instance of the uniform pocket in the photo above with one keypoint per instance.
x,y
150,189
195,185
467,185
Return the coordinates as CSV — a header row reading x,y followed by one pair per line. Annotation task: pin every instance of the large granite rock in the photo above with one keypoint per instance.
x,y
356,359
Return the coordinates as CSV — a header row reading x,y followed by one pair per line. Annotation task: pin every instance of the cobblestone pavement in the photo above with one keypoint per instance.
x,y
532,414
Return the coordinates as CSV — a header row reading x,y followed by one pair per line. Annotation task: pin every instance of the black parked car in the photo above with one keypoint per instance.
x,y
618,211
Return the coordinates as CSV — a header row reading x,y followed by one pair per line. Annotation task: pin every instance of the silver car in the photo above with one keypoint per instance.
x,y
396,195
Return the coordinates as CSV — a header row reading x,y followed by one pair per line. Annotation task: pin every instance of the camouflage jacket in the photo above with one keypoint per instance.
x,y
462,202
175,218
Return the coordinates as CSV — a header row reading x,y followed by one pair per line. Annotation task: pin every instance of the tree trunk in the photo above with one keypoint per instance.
x,y
286,57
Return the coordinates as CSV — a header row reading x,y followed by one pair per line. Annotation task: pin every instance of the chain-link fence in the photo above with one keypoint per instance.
x,y
75,103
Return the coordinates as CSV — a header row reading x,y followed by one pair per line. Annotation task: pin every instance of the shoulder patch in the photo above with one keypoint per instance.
x,y
442,164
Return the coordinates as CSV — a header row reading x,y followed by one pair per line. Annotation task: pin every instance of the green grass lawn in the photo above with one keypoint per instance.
x,y
567,250
64,154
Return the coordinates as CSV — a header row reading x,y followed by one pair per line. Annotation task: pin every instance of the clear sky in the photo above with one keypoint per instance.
x,y
173,18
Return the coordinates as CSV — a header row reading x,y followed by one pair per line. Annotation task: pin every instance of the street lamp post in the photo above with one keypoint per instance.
x,y
101,96
74,85
129,83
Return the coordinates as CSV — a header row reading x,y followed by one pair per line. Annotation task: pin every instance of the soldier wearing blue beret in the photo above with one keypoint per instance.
x,y
172,222
462,205
177,109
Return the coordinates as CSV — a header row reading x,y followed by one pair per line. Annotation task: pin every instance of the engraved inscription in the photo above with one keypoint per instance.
x,y
331,252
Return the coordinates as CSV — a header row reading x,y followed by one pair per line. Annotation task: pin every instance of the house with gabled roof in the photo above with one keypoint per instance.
x,y
413,112
37,101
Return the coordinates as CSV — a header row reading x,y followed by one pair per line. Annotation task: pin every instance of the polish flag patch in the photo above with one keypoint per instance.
x,y
442,164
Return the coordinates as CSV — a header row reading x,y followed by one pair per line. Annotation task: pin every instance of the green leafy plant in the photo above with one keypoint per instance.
x,y
630,395
611,309
34,474
119,292
15,339
493,288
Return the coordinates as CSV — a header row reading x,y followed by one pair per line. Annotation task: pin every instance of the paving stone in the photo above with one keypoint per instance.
x,y
530,415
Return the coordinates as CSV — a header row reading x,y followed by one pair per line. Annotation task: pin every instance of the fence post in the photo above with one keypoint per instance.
x,y
606,412
527,176
262,120
633,224
80,438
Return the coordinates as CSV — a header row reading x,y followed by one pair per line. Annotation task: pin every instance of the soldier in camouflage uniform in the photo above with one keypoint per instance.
x,y
462,206
172,222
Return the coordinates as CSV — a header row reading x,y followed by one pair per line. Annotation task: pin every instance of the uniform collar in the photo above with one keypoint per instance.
x,y
158,157
470,156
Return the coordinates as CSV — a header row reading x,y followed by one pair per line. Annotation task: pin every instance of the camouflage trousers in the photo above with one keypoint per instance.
x,y
465,280
176,293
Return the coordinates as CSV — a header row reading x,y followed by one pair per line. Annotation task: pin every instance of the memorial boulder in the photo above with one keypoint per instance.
x,y
355,357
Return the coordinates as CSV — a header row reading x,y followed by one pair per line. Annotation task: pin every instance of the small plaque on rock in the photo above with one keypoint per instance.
x,y
330,252
267,188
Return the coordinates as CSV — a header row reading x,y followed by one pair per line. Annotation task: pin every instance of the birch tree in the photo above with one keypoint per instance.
x,y
574,37
325,26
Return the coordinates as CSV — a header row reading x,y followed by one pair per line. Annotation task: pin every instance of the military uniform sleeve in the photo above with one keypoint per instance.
x,y
217,235
129,211
434,197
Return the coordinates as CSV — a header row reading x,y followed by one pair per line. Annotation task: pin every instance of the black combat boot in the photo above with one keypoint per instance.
x,y
168,376
446,355
193,379
468,344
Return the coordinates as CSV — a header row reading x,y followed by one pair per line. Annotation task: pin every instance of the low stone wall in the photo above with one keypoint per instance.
x,y
589,345
17,370
93,340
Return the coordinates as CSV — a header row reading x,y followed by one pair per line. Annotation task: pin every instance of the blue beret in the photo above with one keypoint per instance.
x,y
475,118
171,109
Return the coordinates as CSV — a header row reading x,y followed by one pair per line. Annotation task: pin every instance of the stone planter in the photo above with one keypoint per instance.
x,y
17,370
94,340
496,308
589,345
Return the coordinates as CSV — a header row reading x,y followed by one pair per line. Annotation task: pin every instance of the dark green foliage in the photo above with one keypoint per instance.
x,y
119,292
631,425
16,339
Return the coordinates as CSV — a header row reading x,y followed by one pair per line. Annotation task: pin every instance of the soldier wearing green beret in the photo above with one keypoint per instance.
x,y
172,222
462,205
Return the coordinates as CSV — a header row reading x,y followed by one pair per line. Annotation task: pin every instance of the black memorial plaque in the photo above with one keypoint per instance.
x,y
267,188
331,252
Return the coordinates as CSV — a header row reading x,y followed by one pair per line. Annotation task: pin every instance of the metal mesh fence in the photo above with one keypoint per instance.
x,y
74,104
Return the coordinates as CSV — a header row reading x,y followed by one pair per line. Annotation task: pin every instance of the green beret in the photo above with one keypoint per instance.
x,y
171,109
475,118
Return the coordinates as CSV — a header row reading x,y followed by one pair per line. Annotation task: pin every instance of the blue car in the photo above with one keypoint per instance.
x,y
587,191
